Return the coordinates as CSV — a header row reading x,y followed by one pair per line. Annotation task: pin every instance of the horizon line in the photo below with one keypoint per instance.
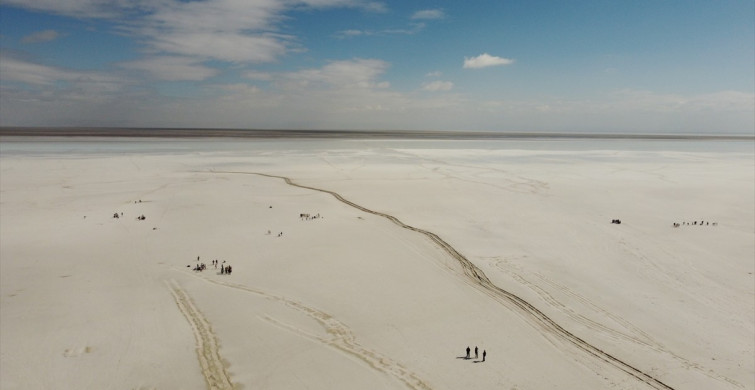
x,y
200,132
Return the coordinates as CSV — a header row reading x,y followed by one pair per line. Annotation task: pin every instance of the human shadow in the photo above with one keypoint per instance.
x,y
463,357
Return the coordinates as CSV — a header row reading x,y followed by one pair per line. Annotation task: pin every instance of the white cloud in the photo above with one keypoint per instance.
x,y
438,85
41,36
436,73
429,14
485,60
172,68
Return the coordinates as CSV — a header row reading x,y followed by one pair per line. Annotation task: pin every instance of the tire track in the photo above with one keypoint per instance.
x,y
479,279
633,333
339,336
207,346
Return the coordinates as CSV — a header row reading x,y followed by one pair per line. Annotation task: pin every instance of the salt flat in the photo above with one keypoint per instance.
x,y
366,295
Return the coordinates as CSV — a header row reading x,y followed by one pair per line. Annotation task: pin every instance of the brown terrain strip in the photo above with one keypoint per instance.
x,y
9,131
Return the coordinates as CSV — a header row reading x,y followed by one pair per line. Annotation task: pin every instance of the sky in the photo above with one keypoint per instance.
x,y
591,66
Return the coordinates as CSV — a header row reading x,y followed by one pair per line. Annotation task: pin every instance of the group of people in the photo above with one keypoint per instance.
x,y
476,356
279,234
694,223
302,216
199,267
119,215
307,217
225,269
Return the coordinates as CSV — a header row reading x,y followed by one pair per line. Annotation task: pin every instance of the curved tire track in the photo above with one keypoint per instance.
x,y
339,336
479,278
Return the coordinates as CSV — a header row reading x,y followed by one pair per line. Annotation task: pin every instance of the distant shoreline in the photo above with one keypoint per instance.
x,y
336,134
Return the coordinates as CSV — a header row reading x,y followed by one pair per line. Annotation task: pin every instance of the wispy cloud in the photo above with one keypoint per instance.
x,y
172,68
255,75
41,36
413,28
85,9
438,85
346,94
18,70
226,30
648,101
429,14
356,73
369,6
352,33
53,84
237,89
485,60
230,46
239,31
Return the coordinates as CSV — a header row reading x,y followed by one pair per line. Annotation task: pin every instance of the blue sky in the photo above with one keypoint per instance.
x,y
547,66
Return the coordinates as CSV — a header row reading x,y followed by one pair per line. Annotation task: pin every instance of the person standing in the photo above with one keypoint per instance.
x,y
467,352
475,352
483,355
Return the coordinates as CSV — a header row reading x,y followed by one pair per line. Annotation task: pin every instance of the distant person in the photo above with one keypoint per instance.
x,y
475,352
467,352
483,355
